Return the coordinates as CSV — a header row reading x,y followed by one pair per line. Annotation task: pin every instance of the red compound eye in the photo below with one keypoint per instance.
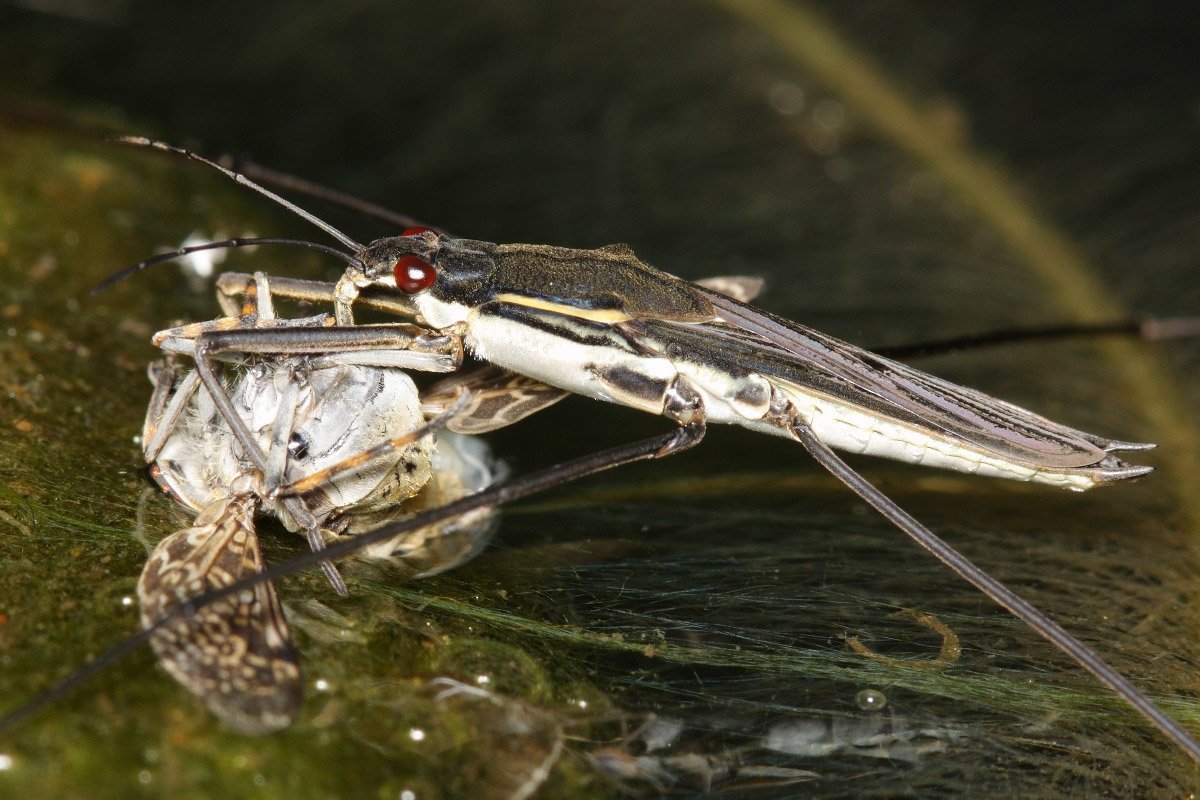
x,y
413,275
416,230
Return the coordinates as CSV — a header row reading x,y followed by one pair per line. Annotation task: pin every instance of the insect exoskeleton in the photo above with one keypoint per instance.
x,y
312,417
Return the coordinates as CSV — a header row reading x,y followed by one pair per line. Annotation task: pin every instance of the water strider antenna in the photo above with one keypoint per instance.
x,y
244,241
142,141
292,183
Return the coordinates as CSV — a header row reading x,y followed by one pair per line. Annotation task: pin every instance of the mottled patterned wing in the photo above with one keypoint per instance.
x,y
498,398
236,654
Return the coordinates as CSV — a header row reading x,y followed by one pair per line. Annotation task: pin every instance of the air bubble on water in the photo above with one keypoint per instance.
x,y
871,700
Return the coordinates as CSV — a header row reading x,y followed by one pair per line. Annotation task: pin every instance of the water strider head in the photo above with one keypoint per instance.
x,y
421,261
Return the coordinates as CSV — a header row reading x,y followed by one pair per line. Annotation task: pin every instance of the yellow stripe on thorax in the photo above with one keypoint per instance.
x,y
610,315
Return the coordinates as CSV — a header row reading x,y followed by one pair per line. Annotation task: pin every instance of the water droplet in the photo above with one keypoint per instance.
x,y
871,700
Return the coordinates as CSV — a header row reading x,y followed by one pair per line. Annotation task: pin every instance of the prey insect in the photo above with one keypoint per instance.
x,y
312,418
603,324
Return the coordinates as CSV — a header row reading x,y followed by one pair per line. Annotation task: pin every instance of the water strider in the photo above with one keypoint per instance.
x,y
311,418
604,324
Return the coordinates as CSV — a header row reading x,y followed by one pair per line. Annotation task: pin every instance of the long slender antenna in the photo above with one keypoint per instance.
x,y
142,141
244,241
515,489
996,591
284,180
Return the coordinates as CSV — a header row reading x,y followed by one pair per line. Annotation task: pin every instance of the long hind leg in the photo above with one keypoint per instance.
x,y
784,415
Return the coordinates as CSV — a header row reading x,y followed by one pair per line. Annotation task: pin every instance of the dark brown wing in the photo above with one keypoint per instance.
x,y
785,351
236,654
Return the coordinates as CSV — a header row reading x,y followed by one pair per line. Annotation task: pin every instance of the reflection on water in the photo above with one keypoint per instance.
x,y
726,752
